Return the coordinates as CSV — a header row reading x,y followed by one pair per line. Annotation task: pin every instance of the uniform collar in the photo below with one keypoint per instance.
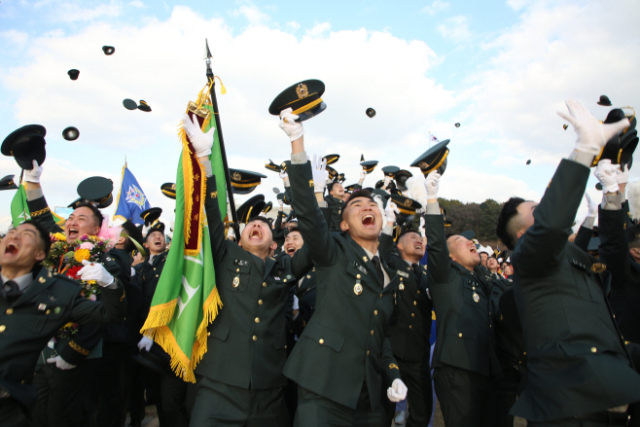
x,y
23,281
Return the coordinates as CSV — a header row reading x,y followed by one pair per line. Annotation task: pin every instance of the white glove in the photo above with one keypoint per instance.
x,y
61,363
607,175
320,174
592,207
363,175
289,125
623,174
231,234
145,344
202,142
397,392
33,175
432,184
592,134
97,272
283,174
281,203
390,211
422,231
387,181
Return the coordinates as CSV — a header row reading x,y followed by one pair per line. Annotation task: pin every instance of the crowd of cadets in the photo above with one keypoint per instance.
x,y
328,311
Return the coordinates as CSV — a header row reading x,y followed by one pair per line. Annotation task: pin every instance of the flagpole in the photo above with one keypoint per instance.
x,y
214,104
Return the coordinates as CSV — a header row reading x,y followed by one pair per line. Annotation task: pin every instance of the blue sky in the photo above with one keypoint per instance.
x,y
500,68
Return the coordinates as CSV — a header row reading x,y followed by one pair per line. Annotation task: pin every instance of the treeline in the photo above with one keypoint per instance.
x,y
479,217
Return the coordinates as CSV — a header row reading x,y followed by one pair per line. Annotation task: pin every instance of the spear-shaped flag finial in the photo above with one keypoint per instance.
x,y
207,53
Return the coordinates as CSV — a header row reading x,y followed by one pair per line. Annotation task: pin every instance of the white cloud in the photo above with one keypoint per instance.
x,y
293,25
73,11
14,38
319,29
517,4
435,7
455,29
252,14
137,3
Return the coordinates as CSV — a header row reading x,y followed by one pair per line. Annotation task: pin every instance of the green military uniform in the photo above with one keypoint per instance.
x,y
463,359
343,360
577,362
240,377
410,332
306,294
27,324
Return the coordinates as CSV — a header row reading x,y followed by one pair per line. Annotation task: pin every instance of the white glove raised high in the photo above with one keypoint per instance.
x,y
592,133
432,184
202,142
97,272
592,207
397,392
320,174
607,175
145,344
33,175
61,363
283,174
387,181
623,174
288,124
363,175
390,211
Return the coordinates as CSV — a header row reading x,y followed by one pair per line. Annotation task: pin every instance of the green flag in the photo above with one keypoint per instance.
x,y
19,210
186,300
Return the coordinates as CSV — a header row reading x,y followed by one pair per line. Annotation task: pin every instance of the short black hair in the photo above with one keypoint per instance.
x,y
44,235
330,186
130,230
97,215
633,236
509,211
366,194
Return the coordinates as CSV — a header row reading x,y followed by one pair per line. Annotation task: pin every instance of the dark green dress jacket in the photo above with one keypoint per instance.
x,y
247,343
577,360
346,341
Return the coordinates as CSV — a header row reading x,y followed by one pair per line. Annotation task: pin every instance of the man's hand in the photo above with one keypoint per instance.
x,y
202,142
622,175
607,174
138,259
33,175
592,207
320,174
61,363
363,175
432,184
145,344
231,234
592,133
390,212
97,272
397,392
387,181
283,174
288,124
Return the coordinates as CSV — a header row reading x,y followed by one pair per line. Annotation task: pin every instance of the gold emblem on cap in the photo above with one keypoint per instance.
x,y
357,289
236,176
598,267
407,203
476,297
423,165
302,90
236,282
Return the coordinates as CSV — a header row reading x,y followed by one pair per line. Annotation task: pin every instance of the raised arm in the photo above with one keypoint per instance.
x,y
37,204
437,250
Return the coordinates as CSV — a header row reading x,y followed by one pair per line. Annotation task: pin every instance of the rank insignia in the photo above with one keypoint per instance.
x,y
598,267
236,282
57,310
393,366
357,289
476,297
42,280
42,307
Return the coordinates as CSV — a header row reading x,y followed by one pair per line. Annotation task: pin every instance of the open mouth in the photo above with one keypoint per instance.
x,y
157,244
474,251
11,249
73,232
368,221
255,233
291,250
418,247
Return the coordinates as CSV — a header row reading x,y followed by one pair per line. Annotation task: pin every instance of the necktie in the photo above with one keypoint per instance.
x,y
378,266
11,291
417,271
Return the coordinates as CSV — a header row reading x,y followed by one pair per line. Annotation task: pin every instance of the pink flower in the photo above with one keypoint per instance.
x,y
92,297
86,245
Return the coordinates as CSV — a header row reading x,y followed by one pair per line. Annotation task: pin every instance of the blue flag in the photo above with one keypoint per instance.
x,y
131,199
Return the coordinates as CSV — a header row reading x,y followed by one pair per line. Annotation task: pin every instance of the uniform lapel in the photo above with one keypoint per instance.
x,y
268,265
361,255
41,282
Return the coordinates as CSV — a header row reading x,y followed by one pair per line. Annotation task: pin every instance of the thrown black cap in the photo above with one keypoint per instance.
x,y
71,133
350,188
250,209
340,178
390,171
565,126
304,98
7,183
169,189
628,144
435,158
529,162
331,158
333,174
144,106
151,215
108,50
284,165
468,234
243,181
272,166
613,149
73,74
267,207
369,165
130,104
157,226
405,205
402,176
370,112
75,203
457,125
604,101
25,145
97,190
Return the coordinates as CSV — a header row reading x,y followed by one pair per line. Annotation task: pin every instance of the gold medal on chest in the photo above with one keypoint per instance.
x,y
357,289
401,287
236,282
476,297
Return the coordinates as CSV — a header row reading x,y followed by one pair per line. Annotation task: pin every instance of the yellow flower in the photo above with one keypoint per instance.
x,y
60,237
82,254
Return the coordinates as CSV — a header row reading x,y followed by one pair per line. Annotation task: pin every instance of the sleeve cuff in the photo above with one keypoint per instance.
x,y
433,208
299,158
387,229
34,194
612,202
323,204
585,159
588,222
207,167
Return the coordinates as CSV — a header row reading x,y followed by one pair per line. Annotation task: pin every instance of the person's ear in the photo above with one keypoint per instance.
x,y
146,245
40,256
273,246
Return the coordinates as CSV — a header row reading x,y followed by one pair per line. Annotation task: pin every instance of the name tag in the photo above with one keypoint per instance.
x,y
403,274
